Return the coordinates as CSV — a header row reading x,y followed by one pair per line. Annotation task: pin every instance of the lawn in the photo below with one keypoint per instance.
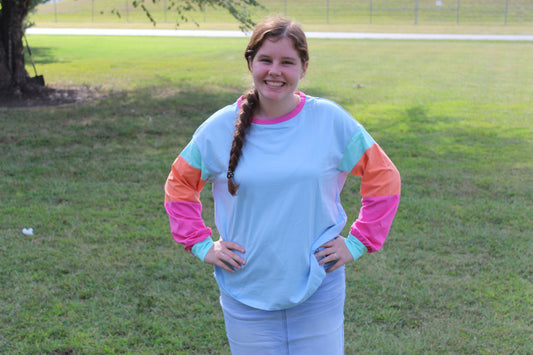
x,y
464,16
102,274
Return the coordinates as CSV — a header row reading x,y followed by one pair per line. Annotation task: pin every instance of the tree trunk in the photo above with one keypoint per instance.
x,y
14,78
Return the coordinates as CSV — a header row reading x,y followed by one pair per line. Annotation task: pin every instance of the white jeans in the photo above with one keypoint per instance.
x,y
313,327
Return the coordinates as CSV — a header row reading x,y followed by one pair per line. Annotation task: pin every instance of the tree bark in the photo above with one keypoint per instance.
x,y
14,78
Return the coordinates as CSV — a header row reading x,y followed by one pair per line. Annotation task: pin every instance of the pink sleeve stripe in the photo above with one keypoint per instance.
x,y
375,220
186,223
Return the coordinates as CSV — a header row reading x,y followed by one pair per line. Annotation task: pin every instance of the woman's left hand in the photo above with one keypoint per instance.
x,y
334,251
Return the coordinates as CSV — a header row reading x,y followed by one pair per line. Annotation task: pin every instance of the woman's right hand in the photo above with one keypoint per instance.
x,y
222,254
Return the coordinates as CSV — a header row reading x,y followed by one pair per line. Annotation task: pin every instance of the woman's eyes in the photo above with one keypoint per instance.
x,y
284,62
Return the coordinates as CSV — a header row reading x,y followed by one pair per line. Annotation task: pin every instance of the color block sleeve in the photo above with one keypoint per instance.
x,y
182,198
380,189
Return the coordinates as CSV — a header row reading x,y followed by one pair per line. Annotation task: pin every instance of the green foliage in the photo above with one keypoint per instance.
x,y
237,8
32,4
103,275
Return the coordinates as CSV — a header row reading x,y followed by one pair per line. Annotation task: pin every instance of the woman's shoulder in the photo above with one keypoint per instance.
x,y
222,119
327,108
322,101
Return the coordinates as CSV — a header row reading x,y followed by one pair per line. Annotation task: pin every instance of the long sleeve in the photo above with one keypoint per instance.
x,y
182,198
380,190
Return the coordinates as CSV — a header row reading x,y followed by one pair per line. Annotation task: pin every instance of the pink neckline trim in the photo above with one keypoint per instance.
x,y
287,117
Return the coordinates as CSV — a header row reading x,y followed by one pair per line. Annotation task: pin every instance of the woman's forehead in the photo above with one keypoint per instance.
x,y
278,45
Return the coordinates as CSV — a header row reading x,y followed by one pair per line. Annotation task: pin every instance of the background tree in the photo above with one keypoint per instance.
x,y
14,79
13,76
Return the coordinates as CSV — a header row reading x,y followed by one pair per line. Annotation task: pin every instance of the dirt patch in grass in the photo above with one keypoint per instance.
x,y
47,96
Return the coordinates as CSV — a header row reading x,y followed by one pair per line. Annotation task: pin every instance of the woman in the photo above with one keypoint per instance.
x,y
277,160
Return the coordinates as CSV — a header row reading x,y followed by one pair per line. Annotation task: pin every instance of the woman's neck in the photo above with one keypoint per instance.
x,y
269,110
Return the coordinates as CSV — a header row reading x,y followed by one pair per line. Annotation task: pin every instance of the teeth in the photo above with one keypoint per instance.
x,y
274,83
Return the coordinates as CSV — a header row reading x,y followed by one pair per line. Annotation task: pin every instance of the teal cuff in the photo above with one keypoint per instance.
x,y
354,245
200,249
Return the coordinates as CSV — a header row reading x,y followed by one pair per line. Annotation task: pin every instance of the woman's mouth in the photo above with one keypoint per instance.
x,y
275,83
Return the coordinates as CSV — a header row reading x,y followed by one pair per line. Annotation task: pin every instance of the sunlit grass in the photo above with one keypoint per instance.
x,y
102,273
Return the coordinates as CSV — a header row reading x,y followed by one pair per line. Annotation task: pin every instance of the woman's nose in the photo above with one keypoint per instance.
x,y
274,69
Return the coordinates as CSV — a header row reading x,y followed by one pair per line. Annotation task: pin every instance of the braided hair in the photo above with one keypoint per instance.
x,y
272,28
248,105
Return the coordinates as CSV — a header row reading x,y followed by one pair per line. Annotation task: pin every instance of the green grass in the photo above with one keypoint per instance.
x,y
317,15
102,273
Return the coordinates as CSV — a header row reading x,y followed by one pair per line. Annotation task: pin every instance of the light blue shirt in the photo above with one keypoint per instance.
x,y
291,174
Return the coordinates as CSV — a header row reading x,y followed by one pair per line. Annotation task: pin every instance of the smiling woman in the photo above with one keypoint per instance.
x,y
278,160
276,70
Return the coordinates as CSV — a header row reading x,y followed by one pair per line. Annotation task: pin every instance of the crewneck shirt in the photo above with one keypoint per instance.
x,y
290,175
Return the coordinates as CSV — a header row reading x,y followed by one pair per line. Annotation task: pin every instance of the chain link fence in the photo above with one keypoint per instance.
x,y
426,12
418,11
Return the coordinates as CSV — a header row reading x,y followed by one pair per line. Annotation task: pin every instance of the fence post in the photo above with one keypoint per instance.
x,y
506,9
457,14
55,11
370,14
92,10
327,12
416,12
127,11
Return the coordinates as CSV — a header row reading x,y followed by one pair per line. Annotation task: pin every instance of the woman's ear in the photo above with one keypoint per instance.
x,y
304,70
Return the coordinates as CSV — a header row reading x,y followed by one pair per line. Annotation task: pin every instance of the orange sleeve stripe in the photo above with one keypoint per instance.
x,y
379,176
184,182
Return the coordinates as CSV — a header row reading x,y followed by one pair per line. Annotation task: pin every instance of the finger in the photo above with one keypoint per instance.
x,y
327,258
230,260
323,252
334,267
221,264
332,255
235,260
337,264
231,257
233,246
225,262
328,244
332,242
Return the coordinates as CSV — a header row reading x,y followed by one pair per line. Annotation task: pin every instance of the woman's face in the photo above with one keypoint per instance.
x,y
276,70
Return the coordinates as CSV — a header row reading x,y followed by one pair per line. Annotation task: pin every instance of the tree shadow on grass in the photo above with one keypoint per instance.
x,y
40,55
457,151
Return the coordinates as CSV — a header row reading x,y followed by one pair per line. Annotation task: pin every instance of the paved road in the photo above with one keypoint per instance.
x,y
343,35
